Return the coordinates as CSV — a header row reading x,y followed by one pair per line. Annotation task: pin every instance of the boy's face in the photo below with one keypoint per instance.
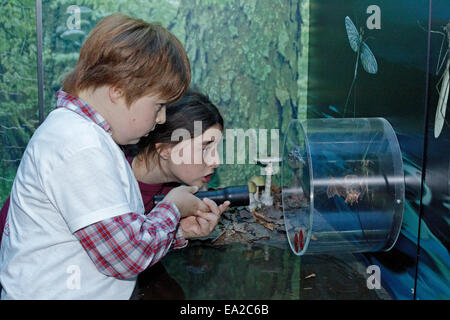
x,y
138,120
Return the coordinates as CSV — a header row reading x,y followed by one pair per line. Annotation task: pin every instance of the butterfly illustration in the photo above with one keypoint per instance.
x,y
363,53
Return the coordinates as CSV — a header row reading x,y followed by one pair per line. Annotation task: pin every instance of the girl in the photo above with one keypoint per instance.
x,y
160,162
158,166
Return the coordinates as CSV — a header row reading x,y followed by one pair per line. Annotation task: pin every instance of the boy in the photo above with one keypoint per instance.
x,y
76,227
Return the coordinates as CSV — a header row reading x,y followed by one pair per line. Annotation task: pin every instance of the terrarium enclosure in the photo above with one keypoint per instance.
x,y
342,185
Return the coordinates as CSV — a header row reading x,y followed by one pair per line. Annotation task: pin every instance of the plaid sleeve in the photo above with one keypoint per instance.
x,y
126,245
179,241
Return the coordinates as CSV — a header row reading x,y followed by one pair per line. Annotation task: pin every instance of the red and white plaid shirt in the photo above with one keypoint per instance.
x,y
126,245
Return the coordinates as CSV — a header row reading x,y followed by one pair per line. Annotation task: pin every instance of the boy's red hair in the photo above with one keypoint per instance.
x,y
135,56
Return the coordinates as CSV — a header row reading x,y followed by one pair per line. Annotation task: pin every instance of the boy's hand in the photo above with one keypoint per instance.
x,y
186,202
203,222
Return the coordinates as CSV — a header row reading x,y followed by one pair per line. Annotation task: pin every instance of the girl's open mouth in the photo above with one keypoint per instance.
x,y
206,178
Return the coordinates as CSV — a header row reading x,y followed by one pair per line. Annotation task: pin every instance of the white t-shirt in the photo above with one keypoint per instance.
x,y
72,174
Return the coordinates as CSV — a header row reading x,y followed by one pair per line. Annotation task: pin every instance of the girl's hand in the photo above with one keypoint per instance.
x,y
186,203
203,223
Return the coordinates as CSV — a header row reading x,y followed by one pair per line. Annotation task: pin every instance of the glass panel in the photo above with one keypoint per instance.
x,y
369,59
433,278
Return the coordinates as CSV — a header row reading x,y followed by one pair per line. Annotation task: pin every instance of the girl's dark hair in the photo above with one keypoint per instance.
x,y
193,106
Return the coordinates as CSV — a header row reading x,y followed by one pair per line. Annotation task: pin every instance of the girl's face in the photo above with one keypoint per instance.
x,y
192,161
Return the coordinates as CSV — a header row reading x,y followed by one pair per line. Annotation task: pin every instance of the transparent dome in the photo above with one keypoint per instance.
x,y
342,185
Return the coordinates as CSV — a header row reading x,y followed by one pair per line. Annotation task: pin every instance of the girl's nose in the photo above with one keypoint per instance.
x,y
213,159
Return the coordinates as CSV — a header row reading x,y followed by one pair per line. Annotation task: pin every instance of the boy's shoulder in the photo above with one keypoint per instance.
x,y
64,129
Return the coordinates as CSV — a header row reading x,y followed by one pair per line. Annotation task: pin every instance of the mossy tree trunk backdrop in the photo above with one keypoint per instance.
x,y
245,55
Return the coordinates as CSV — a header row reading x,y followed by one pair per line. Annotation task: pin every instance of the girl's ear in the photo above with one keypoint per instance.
x,y
163,150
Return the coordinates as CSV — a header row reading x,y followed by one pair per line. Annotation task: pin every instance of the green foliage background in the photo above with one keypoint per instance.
x,y
18,86
249,56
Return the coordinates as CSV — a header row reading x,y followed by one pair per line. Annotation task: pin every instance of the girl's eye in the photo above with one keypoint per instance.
x,y
207,147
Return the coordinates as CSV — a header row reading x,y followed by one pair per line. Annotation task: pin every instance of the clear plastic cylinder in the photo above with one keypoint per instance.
x,y
342,185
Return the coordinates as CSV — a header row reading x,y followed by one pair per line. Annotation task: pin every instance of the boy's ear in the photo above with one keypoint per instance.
x,y
115,94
